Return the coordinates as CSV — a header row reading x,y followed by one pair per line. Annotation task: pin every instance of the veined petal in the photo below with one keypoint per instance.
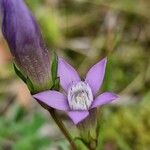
x,y
103,99
77,116
53,99
67,74
95,75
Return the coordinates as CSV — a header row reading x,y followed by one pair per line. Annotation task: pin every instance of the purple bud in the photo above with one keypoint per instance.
x,y
25,42
1,13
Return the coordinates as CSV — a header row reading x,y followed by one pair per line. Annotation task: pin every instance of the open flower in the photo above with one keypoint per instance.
x,y
80,95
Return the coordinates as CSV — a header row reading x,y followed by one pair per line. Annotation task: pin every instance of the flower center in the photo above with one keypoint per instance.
x,y
80,96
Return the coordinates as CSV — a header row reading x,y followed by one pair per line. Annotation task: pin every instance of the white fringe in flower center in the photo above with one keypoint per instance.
x,y
80,96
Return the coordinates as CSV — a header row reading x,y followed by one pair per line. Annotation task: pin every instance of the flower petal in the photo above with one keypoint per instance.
x,y
103,99
95,75
78,116
67,74
53,99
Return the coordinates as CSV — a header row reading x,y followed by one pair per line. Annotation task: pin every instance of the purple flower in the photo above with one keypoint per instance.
x,y
25,42
1,13
80,95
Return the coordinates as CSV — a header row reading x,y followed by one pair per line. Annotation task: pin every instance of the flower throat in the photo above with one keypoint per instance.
x,y
80,96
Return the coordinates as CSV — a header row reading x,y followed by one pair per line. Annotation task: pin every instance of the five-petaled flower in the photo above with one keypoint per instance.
x,y
80,95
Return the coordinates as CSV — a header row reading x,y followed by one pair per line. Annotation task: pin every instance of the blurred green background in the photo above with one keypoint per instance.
x,y
83,32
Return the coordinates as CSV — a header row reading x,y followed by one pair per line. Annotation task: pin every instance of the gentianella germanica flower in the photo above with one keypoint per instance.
x,y
25,41
80,96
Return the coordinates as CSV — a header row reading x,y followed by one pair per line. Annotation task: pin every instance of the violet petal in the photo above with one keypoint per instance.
x,y
103,99
95,75
67,74
77,116
53,99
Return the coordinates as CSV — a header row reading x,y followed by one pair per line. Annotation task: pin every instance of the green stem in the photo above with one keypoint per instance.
x,y
60,124
62,128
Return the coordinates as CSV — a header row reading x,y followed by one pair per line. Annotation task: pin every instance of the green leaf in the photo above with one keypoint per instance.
x,y
19,73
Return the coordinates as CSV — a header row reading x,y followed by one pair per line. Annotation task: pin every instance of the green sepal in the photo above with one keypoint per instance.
x,y
26,80
19,73
30,85
54,67
80,143
56,84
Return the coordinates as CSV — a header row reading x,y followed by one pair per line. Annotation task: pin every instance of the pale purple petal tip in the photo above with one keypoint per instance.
x,y
67,74
78,116
53,99
103,99
95,75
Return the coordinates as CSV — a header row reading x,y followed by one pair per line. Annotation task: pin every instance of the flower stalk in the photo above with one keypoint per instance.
x,y
60,124
62,127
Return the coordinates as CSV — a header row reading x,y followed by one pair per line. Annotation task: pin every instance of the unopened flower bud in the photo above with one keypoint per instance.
x,y
25,42
1,13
